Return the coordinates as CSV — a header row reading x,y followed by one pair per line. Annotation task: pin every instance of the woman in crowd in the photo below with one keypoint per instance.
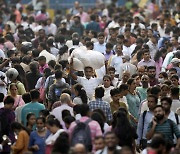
x,y
38,137
31,120
107,85
22,141
54,127
133,99
13,89
123,129
80,93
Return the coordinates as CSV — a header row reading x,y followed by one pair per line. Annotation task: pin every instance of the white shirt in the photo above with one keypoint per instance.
x,y
48,55
54,51
2,55
51,29
52,137
3,87
167,61
107,96
100,47
140,25
116,62
175,105
173,118
153,48
89,85
57,112
77,100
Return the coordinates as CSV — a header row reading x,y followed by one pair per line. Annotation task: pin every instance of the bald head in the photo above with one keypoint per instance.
x,y
79,149
65,98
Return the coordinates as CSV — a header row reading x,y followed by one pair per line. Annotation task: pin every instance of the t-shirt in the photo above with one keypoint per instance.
x,y
32,107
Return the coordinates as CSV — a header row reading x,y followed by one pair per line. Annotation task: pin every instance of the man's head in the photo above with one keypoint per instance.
x,y
145,80
65,98
42,60
9,102
101,38
99,143
174,92
175,80
79,149
151,72
146,55
126,75
141,70
84,110
34,95
109,47
119,49
156,90
115,94
111,140
58,74
99,92
111,72
88,71
159,112
126,58
166,103
152,102
42,33
123,89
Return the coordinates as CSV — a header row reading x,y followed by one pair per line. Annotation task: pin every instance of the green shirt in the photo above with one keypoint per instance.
x,y
168,128
32,107
142,93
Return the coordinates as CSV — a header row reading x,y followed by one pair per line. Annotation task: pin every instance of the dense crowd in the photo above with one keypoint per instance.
x,y
102,80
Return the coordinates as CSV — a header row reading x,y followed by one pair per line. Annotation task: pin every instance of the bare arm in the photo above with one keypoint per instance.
x,y
74,76
150,133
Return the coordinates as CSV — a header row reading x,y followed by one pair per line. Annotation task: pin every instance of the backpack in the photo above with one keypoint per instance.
x,y
4,125
82,134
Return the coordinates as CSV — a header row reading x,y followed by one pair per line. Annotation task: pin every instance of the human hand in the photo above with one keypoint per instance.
x,y
36,147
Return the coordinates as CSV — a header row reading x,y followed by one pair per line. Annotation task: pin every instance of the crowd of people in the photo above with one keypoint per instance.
x,y
130,105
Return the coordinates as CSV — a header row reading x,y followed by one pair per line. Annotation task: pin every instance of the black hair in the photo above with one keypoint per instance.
x,y
93,17
26,97
157,106
154,96
114,91
97,117
151,67
42,119
167,99
174,91
52,63
65,113
81,93
164,74
172,69
28,116
35,53
34,94
42,58
89,44
58,74
123,87
101,34
84,109
1,97
175,77
111,69
69,119
130,81
43,45
9,100
18,126
102,113
157,141
109,45
53,122
155,90
99,92
61,144
77,108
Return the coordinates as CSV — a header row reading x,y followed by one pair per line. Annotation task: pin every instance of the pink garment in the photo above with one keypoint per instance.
x,y
42,68
84,17
9,45
159,66
49,149
18,101
94,127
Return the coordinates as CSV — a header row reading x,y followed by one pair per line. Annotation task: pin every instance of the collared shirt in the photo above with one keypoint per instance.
x,y
89,84
100,47
116,62
153,48
57,112
42,68
147,120
84,17
104,106
175,105
146,63
107,56
166,129
94,128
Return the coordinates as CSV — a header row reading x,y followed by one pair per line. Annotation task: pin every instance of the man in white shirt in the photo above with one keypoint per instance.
x,y
100,45
50,28
136,25
117,59
175,99
45,53
65,99
88,82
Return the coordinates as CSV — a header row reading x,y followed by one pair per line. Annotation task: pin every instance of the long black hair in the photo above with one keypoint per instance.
x,y
18,126
81,93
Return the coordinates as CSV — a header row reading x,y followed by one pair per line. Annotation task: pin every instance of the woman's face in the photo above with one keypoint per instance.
x,y
52,129
106,82
13,90
40,125
133,85
164,91
32,120
138,81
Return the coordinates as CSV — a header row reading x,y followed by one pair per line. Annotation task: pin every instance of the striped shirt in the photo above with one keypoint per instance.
x,y
168,128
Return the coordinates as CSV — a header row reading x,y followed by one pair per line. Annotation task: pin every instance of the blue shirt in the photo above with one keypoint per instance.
x,y
32,107
35,139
